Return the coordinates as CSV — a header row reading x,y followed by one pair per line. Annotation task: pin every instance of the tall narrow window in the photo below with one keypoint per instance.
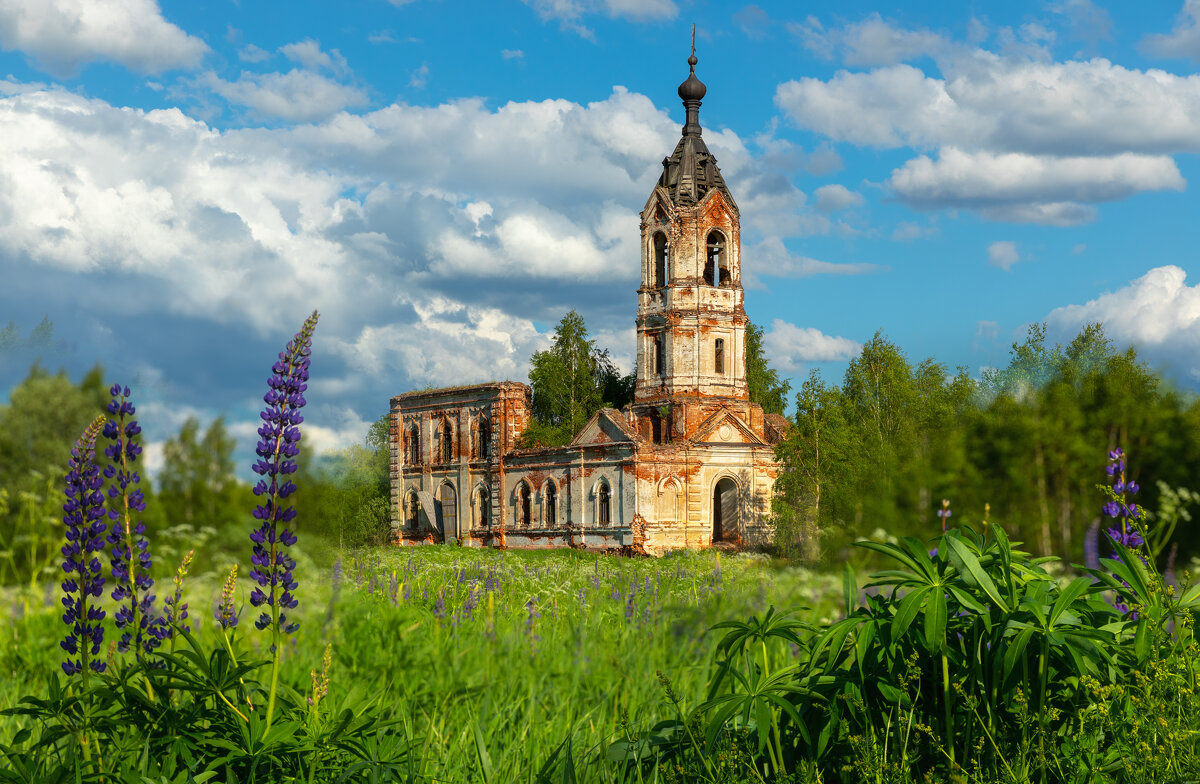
x,y
659,361
482,505
716,264
484,438
447,442
602,505
719,357
412,514
414,445
660,260
523,500
550,505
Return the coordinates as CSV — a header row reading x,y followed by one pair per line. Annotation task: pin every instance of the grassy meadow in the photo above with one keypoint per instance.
x,y
482,654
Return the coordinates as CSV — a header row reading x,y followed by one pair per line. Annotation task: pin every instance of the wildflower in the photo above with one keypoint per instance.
x,y
130,553
276,450
471,602
944,513
533,614
225,614
174,611
439,607
83,516
1117,508
320,679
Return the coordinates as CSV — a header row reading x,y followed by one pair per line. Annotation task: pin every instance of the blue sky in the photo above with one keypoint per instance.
x,y
181,183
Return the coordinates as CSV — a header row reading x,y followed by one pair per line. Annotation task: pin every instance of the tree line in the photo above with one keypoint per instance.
x,y
1024,445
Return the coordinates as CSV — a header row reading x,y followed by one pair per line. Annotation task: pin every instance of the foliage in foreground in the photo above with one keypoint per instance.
x,y
967,663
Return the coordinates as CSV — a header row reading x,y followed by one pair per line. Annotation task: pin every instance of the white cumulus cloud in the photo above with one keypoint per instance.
x,y
1158,313
298,95
63,35
831,198
985,180
791,346
1003,254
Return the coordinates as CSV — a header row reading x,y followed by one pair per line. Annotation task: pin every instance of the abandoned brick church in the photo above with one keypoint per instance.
x,y
689,463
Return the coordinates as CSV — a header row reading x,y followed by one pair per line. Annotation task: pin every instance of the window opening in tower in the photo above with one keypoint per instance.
x,y
716,265
661,252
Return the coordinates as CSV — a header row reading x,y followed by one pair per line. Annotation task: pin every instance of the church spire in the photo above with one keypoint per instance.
x,y
692,92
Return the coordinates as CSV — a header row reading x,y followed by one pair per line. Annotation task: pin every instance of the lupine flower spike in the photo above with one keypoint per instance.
x,y
320,678
1118,509
83,516
277,449
130,554
226,616
175,611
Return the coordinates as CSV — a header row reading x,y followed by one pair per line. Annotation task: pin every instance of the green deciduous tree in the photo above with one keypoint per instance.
x,y
44,416
570,381
197,484
766,387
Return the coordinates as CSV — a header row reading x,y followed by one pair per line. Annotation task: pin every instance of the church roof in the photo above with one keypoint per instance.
x,y
691,171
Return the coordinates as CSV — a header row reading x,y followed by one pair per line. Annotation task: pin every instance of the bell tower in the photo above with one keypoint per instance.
x,y
691,320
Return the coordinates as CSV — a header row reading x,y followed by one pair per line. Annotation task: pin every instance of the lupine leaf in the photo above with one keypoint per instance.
x,y
1073,591
971,565
907,611
935,620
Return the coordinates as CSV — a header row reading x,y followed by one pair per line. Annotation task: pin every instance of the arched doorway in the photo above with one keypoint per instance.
x,y
724,509
447,511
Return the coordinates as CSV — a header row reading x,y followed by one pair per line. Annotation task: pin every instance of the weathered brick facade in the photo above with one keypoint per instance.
x,y
690,462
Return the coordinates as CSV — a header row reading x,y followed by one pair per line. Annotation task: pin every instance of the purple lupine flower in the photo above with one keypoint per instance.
x,y
83,516
129,555
472,601
277,450
1118,509
629,607
439,607
531,608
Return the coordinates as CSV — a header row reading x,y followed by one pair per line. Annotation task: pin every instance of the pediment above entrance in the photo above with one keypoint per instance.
x,y
724,427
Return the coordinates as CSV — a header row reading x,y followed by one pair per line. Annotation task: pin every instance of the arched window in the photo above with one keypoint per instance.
x,y
550,505
603,504
414,445
483,438
445,441
482,506
719,356
412,512
660,364
668,502
524,503
716,264
660,260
